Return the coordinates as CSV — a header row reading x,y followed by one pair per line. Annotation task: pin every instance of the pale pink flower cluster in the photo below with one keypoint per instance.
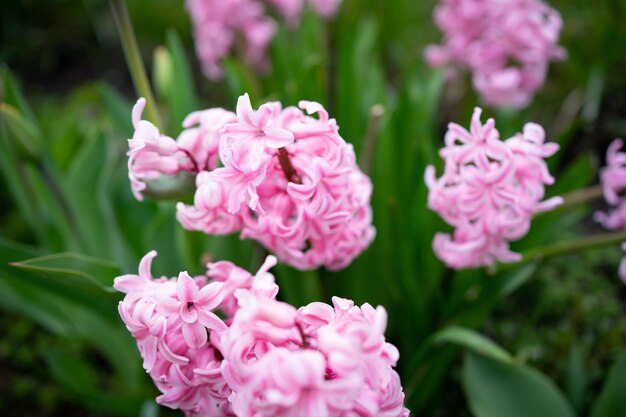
x,y
220,24
489,191
264,357
506,44
152,155
613,179
285,178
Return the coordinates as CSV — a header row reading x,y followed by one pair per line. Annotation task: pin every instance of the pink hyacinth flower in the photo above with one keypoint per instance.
x,y
489,191
613,179
258,129
193,306
506,45
151,154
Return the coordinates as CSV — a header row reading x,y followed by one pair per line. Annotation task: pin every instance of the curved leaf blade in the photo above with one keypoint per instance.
x,y
473,341
612,400
497,389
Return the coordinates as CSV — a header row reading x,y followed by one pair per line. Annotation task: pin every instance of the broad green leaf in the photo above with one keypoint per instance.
x,y
116,108
81,378
45,308
82,270
238,80
182,97
497,389
74,313
12,94
473,341
24,137
612,400
576,377
83,181
71,369
21,189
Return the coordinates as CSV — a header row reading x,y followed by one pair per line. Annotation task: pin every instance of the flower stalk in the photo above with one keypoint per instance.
x,y
585,243
373,129
582,196
133,59
287,167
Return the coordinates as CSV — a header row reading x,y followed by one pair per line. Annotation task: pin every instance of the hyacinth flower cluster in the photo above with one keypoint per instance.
x,y
506,45
489,191
220,344
279,176
613,179
220,25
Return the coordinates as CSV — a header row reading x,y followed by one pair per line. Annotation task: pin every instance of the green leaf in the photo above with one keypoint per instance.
x,y
497,389
25,137
86,271
80,378
473,341
12,94
612,400
117,109
576,377
71,369
182,97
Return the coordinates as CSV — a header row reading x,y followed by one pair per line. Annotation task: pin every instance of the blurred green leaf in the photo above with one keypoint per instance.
x,y
76,268
239,81
11,94
25,136
473,341
174,81
612,400
497,389
576,378
80,377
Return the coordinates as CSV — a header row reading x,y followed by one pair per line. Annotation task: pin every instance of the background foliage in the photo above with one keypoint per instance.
x,y
69,223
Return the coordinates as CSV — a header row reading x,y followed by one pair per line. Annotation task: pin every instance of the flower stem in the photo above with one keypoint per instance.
x,y
133,59
584,195
585,243
369,142
287,167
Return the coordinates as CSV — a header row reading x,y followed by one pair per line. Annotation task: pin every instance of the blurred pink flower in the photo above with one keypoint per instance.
x,y
507,45
613,179
219,24
622,266
489,191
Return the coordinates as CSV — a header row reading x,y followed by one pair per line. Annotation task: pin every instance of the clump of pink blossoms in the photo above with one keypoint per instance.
x,y
507,45
283,177
613,178
219,25
489,191
265,358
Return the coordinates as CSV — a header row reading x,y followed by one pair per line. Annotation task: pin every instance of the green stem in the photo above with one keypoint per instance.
x,y
369,142
584,195
133,59
585,243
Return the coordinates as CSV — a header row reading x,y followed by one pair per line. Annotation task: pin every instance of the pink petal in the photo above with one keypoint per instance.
x,y
195,334
186,288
